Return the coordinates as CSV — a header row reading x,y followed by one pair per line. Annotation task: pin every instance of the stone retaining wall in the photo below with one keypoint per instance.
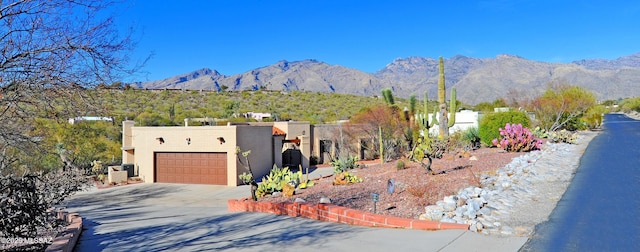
x,y
338,214
66,240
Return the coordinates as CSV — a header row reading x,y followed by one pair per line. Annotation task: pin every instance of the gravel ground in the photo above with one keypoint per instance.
x,y
415,189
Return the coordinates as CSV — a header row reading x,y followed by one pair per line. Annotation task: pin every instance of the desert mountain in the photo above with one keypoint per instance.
x,y
476,80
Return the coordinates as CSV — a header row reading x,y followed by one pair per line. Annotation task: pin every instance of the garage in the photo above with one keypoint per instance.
x,y
191,168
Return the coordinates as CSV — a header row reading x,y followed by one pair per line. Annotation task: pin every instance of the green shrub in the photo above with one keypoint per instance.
x,y
400,165
630,104
490,124
593,116
471,137
573,123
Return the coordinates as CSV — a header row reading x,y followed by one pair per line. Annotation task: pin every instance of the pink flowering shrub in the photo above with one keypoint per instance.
x,y
516,138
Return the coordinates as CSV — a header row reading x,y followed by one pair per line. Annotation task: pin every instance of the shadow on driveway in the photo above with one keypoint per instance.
x,y
156,218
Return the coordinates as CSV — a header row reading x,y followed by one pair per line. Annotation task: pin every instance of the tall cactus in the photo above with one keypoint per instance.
x,y
381,142
447,117
452,108
422,119
388,96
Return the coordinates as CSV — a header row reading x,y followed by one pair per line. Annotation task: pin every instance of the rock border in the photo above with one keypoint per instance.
x,y
65,241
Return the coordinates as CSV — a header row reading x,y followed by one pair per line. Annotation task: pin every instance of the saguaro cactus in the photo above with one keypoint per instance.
x,y
447,117
452,108
381,142
422,119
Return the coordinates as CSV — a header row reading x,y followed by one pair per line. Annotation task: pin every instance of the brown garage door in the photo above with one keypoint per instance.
x,y
191,168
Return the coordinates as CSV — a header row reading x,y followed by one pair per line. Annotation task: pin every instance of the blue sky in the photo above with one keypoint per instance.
x,y
235,36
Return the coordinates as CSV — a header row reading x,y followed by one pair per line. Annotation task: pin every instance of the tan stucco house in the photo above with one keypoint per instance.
x,y
207,154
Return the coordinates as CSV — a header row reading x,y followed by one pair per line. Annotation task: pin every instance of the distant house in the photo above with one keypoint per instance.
x,y
465,119
258,116
90,118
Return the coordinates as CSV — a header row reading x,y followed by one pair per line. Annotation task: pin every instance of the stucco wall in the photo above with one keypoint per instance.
x,y
324,132
127,143
259,140
203,139
294,129
464,119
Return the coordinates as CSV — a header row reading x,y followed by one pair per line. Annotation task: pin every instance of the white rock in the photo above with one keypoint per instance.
x,y
434,212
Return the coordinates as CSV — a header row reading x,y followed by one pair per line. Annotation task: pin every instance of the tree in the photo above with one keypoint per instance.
x,y
379,122
50,50
560,105
77,144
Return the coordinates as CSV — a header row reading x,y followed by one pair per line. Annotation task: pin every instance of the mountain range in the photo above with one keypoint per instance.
x,y
475,79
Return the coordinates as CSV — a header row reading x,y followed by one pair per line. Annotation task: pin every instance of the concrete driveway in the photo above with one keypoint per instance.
x,y
174,217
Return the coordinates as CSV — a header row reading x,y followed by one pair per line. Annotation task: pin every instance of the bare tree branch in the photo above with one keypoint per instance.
x,y
50,50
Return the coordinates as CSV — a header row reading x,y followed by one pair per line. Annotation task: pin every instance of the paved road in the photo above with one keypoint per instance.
x,y
173,217
600,211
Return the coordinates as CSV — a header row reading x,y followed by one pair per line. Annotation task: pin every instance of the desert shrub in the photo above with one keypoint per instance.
x,y
400,165
429,148
380,122
419,191
471,136
515,138
594,115
27,198
490,124
630,104
563,136
488,107
463,140
561,106
343,164
572,123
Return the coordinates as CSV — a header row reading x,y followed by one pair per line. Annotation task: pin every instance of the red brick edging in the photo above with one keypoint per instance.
x,y
66,240
338,214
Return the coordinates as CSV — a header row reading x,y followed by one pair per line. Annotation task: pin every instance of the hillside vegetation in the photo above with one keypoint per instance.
x,y
171,107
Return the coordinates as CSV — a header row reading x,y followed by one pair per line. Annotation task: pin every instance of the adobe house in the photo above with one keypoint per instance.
x,y
331,139
207,154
